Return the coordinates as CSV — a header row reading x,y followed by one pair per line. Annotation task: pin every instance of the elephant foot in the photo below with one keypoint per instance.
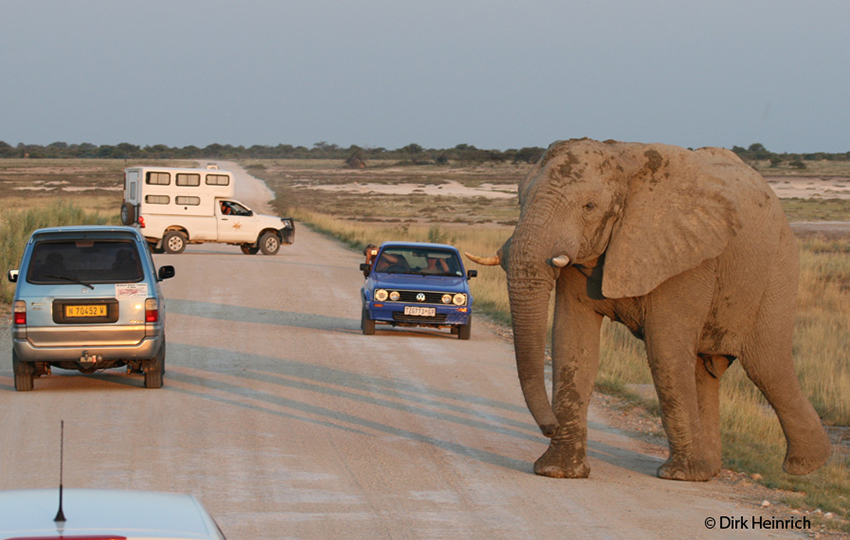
x,y
558,462
687,470
815,456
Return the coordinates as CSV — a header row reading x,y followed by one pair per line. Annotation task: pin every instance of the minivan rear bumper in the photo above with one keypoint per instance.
x,y
144,350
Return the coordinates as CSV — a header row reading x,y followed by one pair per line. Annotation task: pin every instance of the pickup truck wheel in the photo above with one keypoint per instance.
x,y
128,214
269,243
366,324
248,249
174,242
23,374
464,331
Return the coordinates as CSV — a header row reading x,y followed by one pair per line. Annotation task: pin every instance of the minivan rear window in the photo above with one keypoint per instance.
x,y
85,261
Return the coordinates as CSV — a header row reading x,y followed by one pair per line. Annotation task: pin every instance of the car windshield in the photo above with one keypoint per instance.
x,y
416,260
85,262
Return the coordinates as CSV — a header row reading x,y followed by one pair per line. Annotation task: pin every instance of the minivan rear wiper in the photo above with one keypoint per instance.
x,y
72,280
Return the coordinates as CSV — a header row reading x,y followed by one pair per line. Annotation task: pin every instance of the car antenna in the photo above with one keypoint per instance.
x,y
60,515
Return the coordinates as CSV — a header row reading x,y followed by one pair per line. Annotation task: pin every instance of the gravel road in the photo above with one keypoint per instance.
x,y
287,422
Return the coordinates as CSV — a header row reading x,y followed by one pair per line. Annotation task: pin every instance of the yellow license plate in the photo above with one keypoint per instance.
x,y
96,310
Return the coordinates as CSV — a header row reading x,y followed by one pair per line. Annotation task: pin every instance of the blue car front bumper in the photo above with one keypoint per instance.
x,y
394,313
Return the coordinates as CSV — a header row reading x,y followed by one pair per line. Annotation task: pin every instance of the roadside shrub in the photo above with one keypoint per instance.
x,y
17,226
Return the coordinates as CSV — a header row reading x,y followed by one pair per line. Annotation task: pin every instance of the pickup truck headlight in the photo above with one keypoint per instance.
x,y
446,299
394,296
459,299
381,295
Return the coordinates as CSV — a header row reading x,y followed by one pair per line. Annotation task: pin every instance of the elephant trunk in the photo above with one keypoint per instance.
x,y
530,284
530,314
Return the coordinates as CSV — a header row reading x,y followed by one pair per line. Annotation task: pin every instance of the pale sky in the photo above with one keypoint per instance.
x,y
496,74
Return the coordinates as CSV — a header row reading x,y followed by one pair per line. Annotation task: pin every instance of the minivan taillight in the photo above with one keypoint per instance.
x,y
20,312
151,310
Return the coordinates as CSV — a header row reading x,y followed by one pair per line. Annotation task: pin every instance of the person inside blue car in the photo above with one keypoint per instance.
x,y
435,266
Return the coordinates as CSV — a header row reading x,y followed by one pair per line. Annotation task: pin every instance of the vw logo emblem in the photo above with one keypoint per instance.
x,y
420,297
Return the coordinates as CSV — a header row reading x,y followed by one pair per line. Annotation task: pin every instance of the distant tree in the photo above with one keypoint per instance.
x,y
323,146
798,164
758,151
126,150
412,149
528,155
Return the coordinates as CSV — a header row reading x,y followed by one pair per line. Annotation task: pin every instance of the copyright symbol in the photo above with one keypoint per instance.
x,y
710,523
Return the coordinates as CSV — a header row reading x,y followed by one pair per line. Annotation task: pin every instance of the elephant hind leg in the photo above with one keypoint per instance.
x,y
767,360
709,369
808,446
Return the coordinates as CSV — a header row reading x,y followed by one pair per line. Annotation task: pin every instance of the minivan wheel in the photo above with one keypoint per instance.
x,y
269,243
23,373
154,369
174,242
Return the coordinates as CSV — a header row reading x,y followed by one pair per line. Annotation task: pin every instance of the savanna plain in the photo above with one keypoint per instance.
x,y
474,207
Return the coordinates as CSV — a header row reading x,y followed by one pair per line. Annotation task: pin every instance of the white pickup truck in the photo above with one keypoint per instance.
x,y
174,207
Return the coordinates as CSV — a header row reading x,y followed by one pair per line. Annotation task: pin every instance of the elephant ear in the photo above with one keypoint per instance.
x,y
681,208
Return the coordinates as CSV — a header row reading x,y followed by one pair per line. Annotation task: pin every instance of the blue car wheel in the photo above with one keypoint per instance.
x,y
366,324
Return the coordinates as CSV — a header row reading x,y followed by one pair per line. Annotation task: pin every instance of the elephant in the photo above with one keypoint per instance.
x,y
692,252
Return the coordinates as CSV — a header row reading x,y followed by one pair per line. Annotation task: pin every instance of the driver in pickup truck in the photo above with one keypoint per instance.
x,y
225,208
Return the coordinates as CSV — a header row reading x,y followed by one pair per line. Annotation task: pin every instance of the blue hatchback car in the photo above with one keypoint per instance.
x,y
417,284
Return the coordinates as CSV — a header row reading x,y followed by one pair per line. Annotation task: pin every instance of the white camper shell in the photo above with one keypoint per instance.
x,y
174,207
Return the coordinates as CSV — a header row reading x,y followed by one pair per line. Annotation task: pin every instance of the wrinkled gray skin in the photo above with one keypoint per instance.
x,y
693,253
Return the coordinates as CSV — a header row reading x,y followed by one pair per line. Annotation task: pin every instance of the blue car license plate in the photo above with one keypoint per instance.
x,y
420,311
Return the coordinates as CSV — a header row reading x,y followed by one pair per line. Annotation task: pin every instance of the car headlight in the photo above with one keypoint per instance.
x,y
459,299
447,299
394,296
381,295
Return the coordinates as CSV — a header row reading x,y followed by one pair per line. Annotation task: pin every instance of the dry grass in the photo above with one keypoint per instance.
x,y
17,225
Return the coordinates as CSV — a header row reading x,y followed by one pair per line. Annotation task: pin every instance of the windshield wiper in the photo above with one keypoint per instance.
x,y
72,280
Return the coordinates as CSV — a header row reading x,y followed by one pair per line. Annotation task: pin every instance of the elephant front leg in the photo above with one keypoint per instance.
x,y
690,415
575,359
709,369
675,314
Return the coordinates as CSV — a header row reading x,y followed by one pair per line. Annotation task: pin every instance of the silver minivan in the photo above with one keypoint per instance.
x,y
88,298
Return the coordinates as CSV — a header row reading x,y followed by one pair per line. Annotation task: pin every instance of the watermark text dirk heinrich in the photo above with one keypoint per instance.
x,y
757,523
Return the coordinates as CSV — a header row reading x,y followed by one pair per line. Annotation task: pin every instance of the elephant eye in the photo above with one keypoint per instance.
x,y
589,206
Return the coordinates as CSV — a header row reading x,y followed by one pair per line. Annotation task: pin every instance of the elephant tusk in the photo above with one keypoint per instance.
x,y
484,261
560,261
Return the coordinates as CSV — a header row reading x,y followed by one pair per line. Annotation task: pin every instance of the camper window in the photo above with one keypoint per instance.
x,y
158,178
188,179
218,180
157,199
186,200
